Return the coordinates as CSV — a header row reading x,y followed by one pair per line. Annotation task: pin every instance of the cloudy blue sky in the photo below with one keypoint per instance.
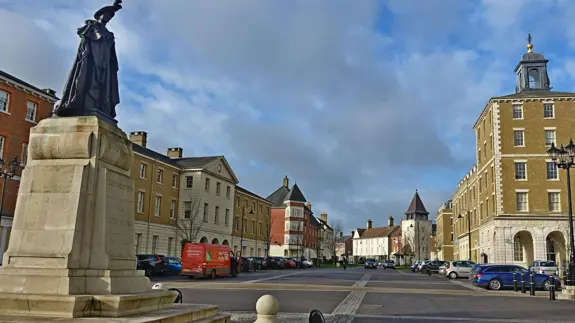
x,y
360,102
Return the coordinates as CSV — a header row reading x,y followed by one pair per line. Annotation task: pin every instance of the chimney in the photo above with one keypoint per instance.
x,y
324,217
139,138
352,233
175,152
49,92
369,224
390,221
286,182
308,205
341,234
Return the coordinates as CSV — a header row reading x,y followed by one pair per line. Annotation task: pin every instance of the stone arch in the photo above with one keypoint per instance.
x,y
523,248
556,248
215,241
226,243
204,240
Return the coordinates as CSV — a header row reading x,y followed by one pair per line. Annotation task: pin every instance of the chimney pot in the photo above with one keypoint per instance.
x,y
308,205
369,224
175,152
324,217
390,221
286,181
139,138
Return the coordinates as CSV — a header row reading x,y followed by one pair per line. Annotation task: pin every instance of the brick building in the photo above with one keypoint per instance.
x,y
22,106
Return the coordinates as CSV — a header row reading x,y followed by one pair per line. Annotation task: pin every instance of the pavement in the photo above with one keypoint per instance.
x,y
373,295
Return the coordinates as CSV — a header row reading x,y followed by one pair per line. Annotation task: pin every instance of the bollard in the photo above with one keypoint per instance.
x,y
532,284
267,308
316,317
515,282
551,287
523,283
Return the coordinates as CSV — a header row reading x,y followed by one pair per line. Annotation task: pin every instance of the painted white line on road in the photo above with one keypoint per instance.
x,y
345,311
270,278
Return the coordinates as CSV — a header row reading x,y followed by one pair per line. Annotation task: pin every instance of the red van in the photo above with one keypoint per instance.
x,y
206,260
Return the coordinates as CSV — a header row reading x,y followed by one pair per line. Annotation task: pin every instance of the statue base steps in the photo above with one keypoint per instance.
x,y
567,293
175,313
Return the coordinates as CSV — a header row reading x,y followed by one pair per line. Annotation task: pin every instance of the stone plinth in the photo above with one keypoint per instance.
x,y
72,241
567,293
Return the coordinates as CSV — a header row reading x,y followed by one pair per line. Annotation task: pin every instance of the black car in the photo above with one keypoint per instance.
x,y
370,263
259,262
153,264
432,266
275,263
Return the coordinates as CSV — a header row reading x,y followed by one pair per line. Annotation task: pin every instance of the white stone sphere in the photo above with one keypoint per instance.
x,y
267,305
158,286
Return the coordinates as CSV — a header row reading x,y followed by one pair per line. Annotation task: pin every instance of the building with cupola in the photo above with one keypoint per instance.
x,y
416,230
511,207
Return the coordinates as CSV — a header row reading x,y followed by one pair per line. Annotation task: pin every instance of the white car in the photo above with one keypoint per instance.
x,y
307,263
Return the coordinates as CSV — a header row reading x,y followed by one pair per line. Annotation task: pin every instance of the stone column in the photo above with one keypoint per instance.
x,y
3,241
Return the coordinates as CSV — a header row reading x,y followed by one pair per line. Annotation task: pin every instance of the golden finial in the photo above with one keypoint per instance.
x,y
529,45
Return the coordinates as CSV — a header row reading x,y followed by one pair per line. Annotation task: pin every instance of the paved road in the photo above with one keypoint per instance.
x,y
358,295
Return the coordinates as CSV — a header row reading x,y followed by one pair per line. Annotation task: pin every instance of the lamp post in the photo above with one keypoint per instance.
x,y
564,157
468,229
7,173
242,233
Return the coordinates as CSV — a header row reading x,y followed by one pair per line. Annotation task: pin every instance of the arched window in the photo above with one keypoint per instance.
x,y
534,79
517,249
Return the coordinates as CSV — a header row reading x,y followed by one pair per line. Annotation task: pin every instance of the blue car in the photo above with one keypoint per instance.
x,y
174,265
496,277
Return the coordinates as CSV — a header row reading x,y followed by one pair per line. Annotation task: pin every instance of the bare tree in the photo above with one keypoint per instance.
x,y
333,238
408,241
320,243
189,224
267,234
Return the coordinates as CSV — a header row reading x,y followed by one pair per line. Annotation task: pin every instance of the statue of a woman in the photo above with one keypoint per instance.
x,y
92,86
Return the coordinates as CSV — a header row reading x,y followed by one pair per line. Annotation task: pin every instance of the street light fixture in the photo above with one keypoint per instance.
x,y
564,157
7,173
468,229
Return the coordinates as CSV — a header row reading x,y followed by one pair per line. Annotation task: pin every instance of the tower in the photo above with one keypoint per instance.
x,y
531,71
416,229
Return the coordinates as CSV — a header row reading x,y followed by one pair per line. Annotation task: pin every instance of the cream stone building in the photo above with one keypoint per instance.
x,y
251,223
444,235
515,196
375,242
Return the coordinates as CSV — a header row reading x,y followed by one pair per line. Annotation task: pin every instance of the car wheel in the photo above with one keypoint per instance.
x,y
213,274
546,284
494,284
453,275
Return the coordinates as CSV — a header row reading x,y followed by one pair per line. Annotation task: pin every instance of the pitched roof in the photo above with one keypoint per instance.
x,y
28,85
324,223
343,238
378,232
535,94
278,197
195,162
154,154
360,231
295,194
243,190
416,206
313,221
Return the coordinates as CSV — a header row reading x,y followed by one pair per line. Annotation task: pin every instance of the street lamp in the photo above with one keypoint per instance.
x,y
468,229
564,157
7,173
242,233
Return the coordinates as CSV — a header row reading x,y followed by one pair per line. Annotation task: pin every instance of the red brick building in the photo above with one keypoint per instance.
x,y
294,229
22,106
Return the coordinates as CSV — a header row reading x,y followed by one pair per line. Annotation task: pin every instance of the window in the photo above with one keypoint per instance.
x,y
522,201
143,170
260,229
24,156
4,101
227,217
170,245
218,188
228,191
484,149
518,138
140,207
207,185
244,225
548,111
520,170
175,180
157,206
187,209
533,76
253,227
172,209
189,181
261,208
517,112
552,172
237,201
31,108
205,219
160,176
554,201
237,223
549,137
517,250
154,243
217,216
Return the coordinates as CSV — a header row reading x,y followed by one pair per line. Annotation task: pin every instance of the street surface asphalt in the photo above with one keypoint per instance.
x,y
373,295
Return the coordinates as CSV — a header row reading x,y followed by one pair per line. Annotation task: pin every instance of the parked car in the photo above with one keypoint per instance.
x,y
414,266
496,277
275,263
548,267
389,264
420,265
289,263
307,263
152,264
206,260
298,262
259,262
174,265
370,263
248,265
457,269
432,266
443,267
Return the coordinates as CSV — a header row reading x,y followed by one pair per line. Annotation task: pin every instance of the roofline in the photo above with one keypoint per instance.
x,y
243,190
156,160
11,79
223,158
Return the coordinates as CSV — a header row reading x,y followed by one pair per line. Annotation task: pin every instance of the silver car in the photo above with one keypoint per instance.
x,y
457,269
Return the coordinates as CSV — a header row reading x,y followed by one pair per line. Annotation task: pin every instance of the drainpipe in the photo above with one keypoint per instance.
x,y
150,208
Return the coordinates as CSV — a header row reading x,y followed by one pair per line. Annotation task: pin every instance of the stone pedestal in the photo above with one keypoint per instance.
x,y
567,293
71,250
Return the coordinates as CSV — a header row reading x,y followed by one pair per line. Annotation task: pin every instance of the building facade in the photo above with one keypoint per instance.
x,y
375,242
326,237
251,223
516,197
444,237
22,106
416,231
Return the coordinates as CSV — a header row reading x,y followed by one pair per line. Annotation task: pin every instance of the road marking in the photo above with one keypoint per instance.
x,y
344,312
269,278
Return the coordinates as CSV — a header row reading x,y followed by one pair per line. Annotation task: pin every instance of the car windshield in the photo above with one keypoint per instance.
x,y
370,260
547,264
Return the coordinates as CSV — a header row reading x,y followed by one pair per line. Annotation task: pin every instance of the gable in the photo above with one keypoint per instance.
x,y
221,168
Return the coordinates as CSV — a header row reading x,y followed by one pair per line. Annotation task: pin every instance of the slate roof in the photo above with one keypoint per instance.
x,y
416,206
324,223
26,84
295,194
360,231
343,238
243,190
378,232
278,197
534,94
313,221
195,162
154,154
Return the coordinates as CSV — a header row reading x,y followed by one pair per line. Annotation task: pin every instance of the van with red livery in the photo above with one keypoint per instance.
x,y
206,260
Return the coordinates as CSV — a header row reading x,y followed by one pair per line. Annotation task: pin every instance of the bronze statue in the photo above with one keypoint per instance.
x,y
92,85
